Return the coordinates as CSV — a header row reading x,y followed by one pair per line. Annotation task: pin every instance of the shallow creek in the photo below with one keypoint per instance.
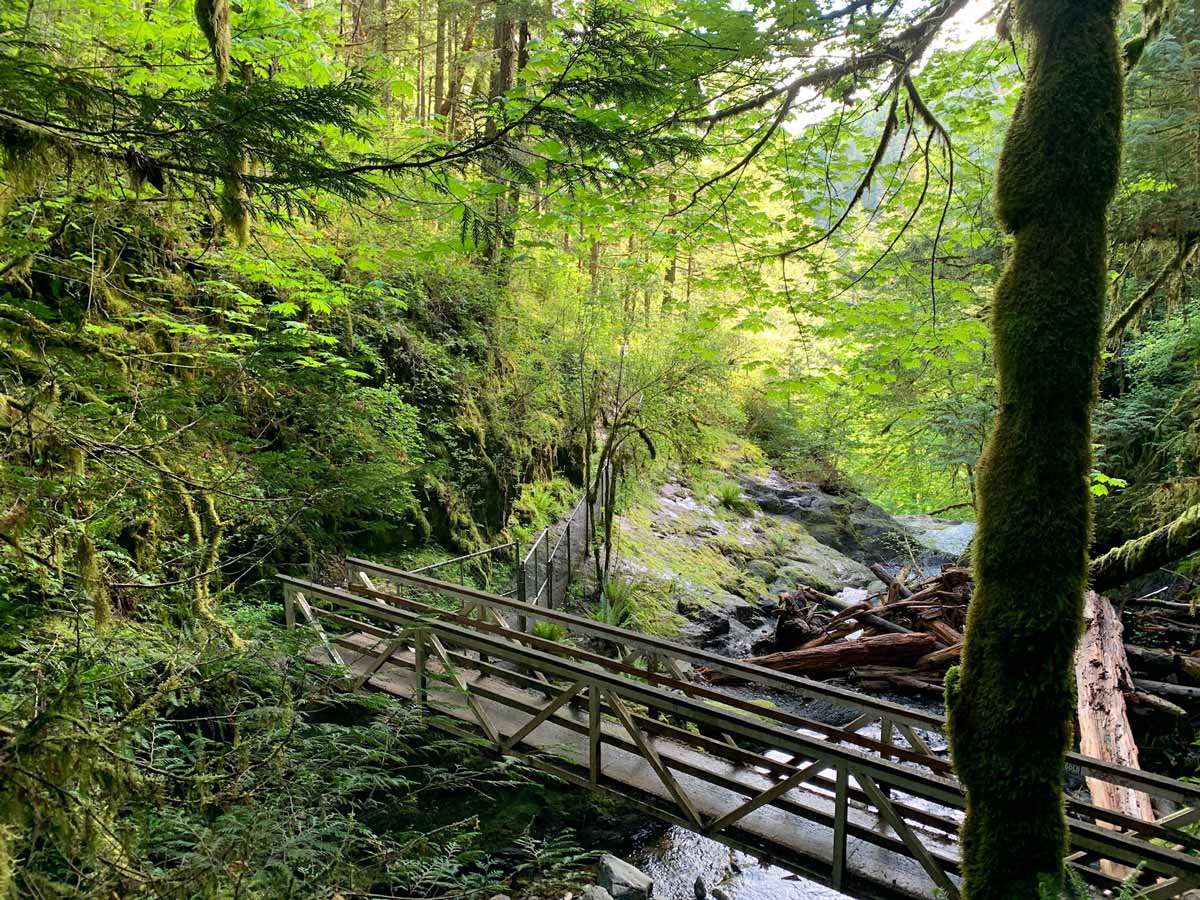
x,y
675,857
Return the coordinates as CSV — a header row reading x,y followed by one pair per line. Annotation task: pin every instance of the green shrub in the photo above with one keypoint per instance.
x,y
550,631
729,495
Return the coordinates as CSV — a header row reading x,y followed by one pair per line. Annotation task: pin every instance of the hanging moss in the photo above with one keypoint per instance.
x,y
88,568
213,19
1011,705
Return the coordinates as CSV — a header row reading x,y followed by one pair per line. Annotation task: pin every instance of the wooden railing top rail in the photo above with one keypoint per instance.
x,y
1158,785
542,657
471,635
627,638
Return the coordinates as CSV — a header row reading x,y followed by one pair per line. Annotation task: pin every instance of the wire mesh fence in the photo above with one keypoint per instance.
x,y
560,553
478,569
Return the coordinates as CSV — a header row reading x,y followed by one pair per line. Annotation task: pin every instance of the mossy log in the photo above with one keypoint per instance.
x,y
1011,703
1141,556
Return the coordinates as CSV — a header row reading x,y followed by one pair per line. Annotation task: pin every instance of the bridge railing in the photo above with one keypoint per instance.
x,y
631,702
462,566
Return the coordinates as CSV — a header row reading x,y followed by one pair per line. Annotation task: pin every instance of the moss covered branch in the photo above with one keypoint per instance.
x,y
1143,555
1187,248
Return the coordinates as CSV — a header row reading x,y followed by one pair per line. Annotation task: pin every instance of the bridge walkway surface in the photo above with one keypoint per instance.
x,y
867,808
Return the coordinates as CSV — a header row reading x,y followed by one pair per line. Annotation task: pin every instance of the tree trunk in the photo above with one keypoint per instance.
x,y
439,59
459,73
1103,678
1011,702
880,650
1152,551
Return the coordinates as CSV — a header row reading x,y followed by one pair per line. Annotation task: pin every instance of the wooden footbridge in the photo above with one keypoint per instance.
x,y
867,807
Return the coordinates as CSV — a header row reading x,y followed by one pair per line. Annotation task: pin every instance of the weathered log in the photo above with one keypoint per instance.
x,y
882,650
1162,662
939,659
893,584
1145,554
885,677
1156,703
1103,677
1179,692
844,606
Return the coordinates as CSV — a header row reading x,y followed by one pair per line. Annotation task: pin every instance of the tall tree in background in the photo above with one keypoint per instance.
x,y
1010,705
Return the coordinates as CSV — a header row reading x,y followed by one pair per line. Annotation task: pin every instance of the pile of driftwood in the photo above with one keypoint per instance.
x,y
904,636
908,635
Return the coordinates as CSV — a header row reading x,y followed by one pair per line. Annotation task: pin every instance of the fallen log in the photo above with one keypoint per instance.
x,y
1156,703
895,585
947,656
1103,677
845,606
1145,554
881,650
1179,692
1156,662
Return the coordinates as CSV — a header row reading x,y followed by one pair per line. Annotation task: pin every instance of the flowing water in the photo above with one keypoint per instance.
x,y
675,859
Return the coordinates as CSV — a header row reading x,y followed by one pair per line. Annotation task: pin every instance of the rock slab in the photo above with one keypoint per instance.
x,y
624,881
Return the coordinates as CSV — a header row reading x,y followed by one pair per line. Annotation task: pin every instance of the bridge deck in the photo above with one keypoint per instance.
x,y
794,840
870,815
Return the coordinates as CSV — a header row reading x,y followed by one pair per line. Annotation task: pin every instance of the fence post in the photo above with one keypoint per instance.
x,y
549,583
289,608
461,581
569,548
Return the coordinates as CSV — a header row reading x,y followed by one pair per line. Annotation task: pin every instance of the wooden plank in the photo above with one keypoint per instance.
x,y
452,670
841,809
377,662
772,793
595,736
307,612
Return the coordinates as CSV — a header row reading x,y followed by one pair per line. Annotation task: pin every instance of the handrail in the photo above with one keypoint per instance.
x,y
935,764
458,559
1118,774
940,789
497,642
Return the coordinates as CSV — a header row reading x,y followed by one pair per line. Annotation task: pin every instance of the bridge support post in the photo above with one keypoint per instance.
x,y
594,734
840,811
419,659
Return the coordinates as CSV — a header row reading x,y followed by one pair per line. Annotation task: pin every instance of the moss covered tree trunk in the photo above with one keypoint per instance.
x,y
1011,702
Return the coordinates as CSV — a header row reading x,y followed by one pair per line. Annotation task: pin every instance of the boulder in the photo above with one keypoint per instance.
x,y
595,892
940,535
761,568
624,881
